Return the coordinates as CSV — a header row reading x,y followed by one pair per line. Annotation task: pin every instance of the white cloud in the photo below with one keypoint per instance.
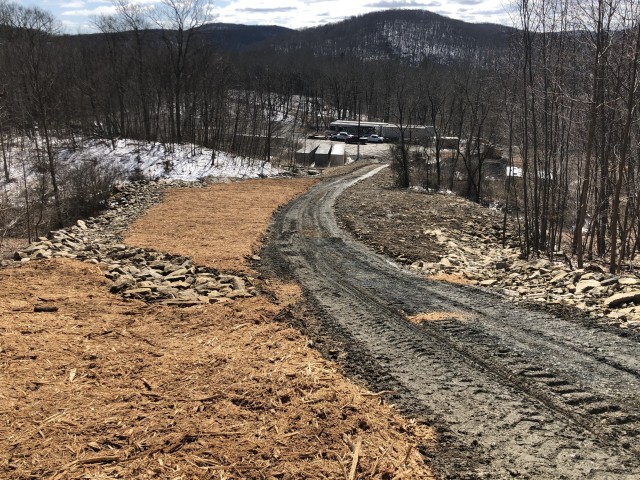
x,y
89,12
299,14
73,5
291,13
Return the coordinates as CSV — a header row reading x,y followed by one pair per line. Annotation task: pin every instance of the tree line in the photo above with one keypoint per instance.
x,y
573,110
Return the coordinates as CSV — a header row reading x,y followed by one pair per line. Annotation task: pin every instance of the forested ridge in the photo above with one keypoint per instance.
x,y
555,99
413,36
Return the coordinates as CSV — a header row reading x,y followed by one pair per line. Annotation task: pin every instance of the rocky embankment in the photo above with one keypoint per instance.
x,y
480,259
136,272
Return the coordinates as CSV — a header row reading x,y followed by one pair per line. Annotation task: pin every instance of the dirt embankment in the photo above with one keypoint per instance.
x,y
102,387
396,222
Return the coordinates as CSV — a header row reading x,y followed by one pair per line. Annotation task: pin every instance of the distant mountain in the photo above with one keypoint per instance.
x,y
233,37
411,35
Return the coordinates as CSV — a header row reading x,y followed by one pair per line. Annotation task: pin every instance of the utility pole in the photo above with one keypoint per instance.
x,y
359,119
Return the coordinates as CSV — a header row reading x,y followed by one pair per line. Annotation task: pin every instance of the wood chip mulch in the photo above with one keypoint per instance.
x,y
103,387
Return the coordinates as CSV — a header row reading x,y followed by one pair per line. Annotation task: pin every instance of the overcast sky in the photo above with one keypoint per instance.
x,y
77,15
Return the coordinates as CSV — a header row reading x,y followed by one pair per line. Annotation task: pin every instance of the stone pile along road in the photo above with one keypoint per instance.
x,y
615,299
446,237
137,272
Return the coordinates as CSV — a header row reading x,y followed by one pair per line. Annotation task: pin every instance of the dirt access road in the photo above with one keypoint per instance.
x,y
514,393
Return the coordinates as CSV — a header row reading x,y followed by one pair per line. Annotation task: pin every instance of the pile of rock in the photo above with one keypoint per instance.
x,y
485,263
136,272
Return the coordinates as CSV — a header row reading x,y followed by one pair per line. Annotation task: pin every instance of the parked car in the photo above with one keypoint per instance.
x,y
356,139
375,139
341,136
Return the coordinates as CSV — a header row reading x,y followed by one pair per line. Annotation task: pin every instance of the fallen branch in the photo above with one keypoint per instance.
x,y
175,445
356,455
102,459
380,393
45,308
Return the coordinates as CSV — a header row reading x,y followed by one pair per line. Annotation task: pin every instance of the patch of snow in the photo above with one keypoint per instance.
x,y
156,161
514,172
366,175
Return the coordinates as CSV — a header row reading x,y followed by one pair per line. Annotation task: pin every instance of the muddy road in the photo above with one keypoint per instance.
x,y
514,393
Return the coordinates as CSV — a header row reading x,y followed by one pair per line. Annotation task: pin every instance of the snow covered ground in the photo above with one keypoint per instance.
x,y
88,171
134,159
185,162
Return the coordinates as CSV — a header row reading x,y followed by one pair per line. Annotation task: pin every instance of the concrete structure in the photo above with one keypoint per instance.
x,y
306,156
449,142
322,155
336,157
390,131
412,133
355,127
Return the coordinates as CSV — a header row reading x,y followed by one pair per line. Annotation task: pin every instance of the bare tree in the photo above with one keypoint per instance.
x,y
630,86
403,114
179,21
35,57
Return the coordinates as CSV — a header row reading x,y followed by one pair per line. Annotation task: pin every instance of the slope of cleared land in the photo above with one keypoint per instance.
x,y
96,386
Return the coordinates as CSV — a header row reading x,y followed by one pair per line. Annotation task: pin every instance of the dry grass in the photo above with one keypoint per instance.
x,y
8,245
112,388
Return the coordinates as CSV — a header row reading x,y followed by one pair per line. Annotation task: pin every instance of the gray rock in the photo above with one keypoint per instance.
x,y
586,285
175,278
169,292
123,282
559,277
137,292
446,263
622,298
609,281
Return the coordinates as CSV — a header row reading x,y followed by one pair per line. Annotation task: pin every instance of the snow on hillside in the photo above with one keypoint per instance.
x,y
153,161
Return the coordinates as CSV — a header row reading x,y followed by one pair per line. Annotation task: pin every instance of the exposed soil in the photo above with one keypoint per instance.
x,y
393,221
96,386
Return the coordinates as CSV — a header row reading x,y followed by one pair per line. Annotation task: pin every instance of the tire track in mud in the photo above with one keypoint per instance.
x,y
515,393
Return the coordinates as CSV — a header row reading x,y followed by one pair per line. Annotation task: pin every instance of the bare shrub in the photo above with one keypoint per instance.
x,y
400,165
87,188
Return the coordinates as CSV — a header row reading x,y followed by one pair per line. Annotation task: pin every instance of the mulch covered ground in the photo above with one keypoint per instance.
x,y
218,226
95,386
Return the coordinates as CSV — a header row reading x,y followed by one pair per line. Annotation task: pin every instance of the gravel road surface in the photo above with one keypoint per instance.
x,y
514,393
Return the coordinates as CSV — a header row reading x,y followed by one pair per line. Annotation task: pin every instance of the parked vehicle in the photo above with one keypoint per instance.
x,y
341,136
356,139
375,139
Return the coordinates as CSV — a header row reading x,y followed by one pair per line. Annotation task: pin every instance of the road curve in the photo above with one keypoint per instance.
x,y
514,393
